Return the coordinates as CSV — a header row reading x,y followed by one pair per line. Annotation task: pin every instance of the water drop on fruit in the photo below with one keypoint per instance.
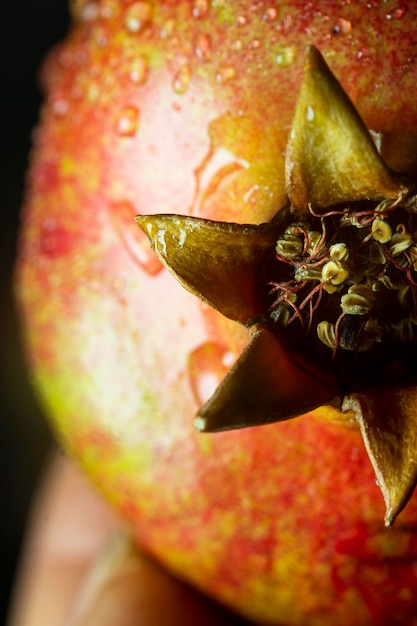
x,y
202,46
207,366
270,14
217,166
241,20
341,27
109,9
66,58
225,74
138,16
182,79
285,56
93,92
167,29
397,14
128,122
254,44
53,239
100,37
134,240
200,8
139,70
60,106
84,10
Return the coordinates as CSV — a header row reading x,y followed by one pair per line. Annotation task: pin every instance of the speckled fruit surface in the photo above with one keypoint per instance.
x,y
184,107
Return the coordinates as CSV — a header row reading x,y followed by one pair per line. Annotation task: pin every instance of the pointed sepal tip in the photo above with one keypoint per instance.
x,y
388,423
264,386
331,157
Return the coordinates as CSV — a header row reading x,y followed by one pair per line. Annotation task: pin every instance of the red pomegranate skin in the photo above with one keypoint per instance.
x,y
185,107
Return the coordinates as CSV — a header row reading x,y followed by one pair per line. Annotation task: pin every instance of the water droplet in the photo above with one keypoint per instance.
x,y
138,15
167,29
236,45
286,56
202,47
128,122
100,37
397,14
200,8
217,166
254,44
60,106
133,238
182,79
84,10
341,27
241,20
109,9
54,240
139,70
270,14
225,74
93,92
207,366
365,53
66,58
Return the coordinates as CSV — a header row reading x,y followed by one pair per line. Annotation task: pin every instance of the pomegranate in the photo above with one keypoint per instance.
x,y
185,108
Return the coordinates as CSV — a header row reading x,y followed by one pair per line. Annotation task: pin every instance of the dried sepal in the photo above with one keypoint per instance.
x,y
216,261
331,160
264,386
331,157
388,422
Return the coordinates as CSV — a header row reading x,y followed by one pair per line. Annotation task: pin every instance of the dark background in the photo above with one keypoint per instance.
x,y
28,29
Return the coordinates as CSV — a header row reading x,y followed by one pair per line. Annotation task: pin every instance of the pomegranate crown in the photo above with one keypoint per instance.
x,y
327,288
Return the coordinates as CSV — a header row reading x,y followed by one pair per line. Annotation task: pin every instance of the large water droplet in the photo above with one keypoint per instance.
x,y
139,70
182,79
128,122
202,46
138,15
134,240
207,366
218,165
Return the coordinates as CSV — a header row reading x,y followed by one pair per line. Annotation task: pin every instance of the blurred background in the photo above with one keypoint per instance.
x,y
28,30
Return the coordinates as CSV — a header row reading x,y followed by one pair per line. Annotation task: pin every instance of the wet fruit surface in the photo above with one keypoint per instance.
x,y
185,108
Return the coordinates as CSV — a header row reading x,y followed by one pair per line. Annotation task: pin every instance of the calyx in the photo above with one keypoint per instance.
x,y
327,288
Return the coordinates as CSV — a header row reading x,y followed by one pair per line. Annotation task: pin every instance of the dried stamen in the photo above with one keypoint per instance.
x,y
348,283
